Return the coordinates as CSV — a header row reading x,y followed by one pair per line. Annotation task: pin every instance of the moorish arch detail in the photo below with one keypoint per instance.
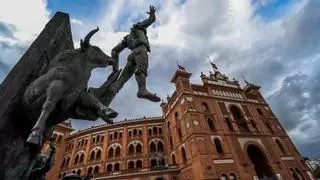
x,y
244,141
95,149
115,145
135,143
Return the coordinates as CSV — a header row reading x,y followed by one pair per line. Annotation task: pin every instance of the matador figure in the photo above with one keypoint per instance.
x,y
137,42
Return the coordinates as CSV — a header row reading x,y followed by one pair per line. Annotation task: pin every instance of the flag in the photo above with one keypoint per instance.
x,y
182,68
214,66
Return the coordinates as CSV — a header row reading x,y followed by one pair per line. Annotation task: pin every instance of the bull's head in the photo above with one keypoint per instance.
x,y
94,54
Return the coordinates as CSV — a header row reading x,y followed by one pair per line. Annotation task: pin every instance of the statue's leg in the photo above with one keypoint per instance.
x,y
141,59
126,74
54,92
89,100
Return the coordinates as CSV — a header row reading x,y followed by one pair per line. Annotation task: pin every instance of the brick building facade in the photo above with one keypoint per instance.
x,y
216,130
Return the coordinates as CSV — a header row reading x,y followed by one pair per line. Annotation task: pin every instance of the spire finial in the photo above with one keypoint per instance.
x,y
244,79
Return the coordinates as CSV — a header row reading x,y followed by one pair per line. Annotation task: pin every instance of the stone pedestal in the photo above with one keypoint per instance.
x,y
16,157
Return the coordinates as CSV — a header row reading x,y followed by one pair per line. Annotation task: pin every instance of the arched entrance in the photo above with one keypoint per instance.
x,y
261,164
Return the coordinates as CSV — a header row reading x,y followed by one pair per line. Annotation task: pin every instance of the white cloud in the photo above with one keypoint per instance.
x,y
76,21
29,17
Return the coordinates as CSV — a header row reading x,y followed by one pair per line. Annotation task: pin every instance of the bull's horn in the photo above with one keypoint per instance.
x,y
89,35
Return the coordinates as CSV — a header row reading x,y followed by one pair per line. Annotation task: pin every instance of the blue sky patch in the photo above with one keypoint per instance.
x,y
80,9
273,9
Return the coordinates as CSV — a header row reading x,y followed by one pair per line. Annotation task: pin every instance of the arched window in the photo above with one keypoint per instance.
x,y
76,159
260,112
110,152
93,140
162,162
218,145
239,118
160,131
82,142
98,156
59,176
116,167
63,163
138,164
152,147
55,137
96,170
109,167
150,132
254,125
138,148
118,151
131,149
269,127
155,130
140,132
176,116
74,171
116,135
79,172
130,165
211,124
89,171
153,162
98,138
205,106
81,158
59,139
110,137
299,174
67,162
183,154
168,125
102,137
171,142
229,124
283,151
92,154
224,177
179,134
135,132
86,142
293,174
232,177
130,134
160,146
173,159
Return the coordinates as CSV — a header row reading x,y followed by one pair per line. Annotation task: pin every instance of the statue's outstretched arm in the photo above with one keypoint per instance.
x,y
115,53
146,23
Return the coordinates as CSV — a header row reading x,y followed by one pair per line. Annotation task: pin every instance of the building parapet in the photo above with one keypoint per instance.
x,y
125,121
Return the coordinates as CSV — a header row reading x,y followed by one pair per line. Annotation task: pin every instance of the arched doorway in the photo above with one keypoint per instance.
x,y
260,162
239,118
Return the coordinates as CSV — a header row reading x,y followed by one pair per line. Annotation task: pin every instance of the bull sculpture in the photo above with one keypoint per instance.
x,y
62,90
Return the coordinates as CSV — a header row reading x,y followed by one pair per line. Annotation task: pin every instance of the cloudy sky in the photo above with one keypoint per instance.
x,y
273,43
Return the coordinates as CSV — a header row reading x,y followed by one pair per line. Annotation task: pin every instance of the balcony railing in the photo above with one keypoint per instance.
x,y
94,161
130,171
